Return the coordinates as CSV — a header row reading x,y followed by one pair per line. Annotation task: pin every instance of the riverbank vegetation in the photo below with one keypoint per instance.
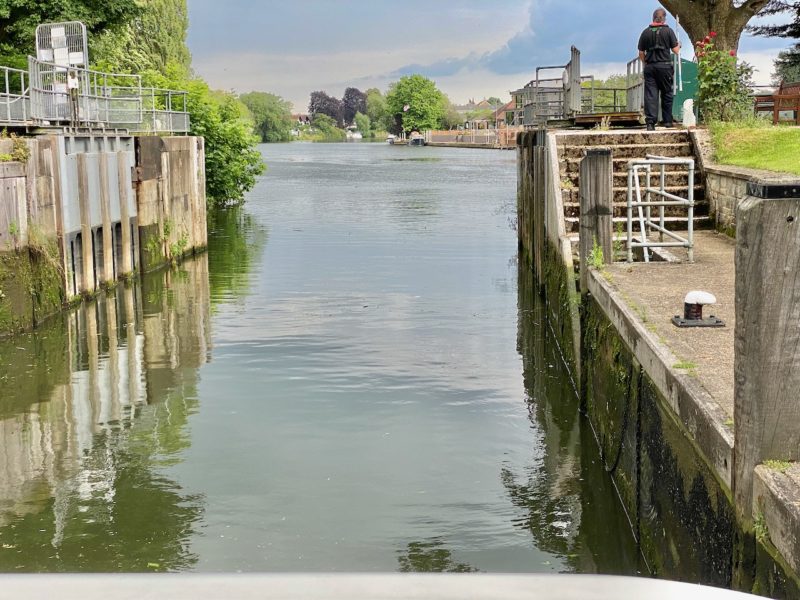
x,y
413,103
272,116
757,145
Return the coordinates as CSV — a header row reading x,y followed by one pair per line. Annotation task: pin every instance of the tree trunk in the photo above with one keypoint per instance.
x,y
701,17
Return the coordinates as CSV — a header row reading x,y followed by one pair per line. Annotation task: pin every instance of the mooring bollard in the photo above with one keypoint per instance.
x,y
767,339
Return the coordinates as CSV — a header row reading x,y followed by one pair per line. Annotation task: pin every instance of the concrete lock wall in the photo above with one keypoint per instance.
x,y
667,449
71,216
170,194
543,239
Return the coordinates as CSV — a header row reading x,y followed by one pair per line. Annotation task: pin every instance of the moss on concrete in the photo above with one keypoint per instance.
x,y
559,290
31,285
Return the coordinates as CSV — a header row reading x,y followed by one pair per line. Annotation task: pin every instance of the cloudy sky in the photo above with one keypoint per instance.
x,y
471,48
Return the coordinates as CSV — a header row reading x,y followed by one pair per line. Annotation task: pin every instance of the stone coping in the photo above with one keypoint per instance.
x,y
776,505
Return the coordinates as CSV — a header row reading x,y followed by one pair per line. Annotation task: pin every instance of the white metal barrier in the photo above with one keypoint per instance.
x,y
14,104
657,197
634,81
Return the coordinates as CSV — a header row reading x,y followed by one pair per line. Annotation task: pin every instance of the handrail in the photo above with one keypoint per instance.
x,y
116,100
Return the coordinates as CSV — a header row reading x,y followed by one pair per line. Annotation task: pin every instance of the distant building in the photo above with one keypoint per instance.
x,y
301,119
472,106
506,114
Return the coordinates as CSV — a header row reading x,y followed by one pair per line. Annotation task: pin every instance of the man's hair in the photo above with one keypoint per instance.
x,y
659,16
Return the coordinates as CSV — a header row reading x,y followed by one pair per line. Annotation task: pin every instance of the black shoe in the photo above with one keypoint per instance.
x,y
651,127
669,125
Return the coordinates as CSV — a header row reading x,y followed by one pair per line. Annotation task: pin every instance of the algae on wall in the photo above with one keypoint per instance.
x,y
681,512
31,286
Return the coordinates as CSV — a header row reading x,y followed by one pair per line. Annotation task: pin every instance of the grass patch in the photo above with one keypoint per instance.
x,y
757,145
685,365
781,466
760,528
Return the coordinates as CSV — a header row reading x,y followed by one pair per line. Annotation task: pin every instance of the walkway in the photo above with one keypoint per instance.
x,y
655,291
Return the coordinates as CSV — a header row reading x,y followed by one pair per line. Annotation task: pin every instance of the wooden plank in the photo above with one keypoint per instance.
x,y
538,213
105,211
767,339
596,209
87,283
123,177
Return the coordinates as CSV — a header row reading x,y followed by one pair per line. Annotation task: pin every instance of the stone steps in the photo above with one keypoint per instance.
x,y
673,178
626,146
613,138
572,165
673,223
573,210
572,195
631,151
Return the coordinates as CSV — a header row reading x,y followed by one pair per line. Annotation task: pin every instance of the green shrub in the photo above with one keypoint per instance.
x,y
723,93
232,161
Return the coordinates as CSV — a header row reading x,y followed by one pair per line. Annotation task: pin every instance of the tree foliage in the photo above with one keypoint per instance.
x,y
153,39
323,104
417,102
272,116
232,163
326,129
19,19
354,101
785,30
787,65
451,117
728,18
378,111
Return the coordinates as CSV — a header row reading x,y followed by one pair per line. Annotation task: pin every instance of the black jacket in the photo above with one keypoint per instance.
x,y
657,42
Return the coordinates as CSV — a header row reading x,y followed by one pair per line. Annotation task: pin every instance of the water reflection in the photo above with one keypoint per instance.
x,y
430,557
235,244
566,501
95,405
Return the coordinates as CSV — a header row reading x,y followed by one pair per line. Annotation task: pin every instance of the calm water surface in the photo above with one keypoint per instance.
x,y
356,377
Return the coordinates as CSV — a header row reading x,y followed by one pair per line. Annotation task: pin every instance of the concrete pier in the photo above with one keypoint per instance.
x,y
79,212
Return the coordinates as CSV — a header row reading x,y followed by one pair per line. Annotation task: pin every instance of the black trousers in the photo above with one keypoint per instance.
x,y
659,79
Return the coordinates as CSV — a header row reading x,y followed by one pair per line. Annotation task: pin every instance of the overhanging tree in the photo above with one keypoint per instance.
x,y
728,18
152,40
19,19
787,65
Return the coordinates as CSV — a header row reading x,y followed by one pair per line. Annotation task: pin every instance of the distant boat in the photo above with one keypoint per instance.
x,y
416,139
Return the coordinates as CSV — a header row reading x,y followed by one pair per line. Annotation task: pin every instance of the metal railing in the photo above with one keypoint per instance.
x,y
14,101
657,197
634,80
161,110
101,100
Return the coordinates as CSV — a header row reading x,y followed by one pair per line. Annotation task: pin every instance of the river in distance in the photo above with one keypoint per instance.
x,y
357,376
